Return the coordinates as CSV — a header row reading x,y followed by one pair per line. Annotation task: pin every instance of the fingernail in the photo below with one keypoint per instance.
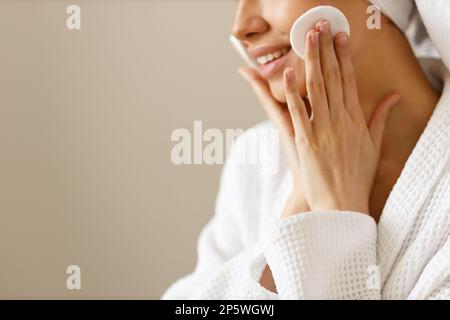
x,y
318,24
314,38
324,27
342,39
397,99
290,74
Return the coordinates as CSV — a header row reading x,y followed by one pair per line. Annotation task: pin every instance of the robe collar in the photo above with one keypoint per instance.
x,y
421,172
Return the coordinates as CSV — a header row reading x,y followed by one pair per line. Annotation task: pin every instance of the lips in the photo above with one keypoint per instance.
x,y
271,56
271,59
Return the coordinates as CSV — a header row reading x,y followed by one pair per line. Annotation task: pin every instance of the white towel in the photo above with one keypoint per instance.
x,y
436,18
398,11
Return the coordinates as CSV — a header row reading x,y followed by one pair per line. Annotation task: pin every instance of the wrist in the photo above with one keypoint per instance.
x,y
295,205
342,206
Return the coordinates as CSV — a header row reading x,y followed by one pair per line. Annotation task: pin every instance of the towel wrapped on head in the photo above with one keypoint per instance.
x,y
399,11
435,15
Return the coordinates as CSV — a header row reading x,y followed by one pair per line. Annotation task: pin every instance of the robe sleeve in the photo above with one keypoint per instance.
x,y
442,292
227,267
325,255
313,255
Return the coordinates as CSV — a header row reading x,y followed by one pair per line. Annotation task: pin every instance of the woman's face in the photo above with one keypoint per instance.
x,y
264,28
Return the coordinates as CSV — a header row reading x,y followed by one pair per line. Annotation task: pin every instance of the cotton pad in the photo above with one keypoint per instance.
x,y
307,22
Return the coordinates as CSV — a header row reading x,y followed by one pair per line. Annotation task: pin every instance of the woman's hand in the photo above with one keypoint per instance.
x,y
337,151
278,113
280,117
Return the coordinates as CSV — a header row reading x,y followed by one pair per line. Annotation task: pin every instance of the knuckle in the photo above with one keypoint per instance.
x,y
360,123
348,79
313,54
341,126
300,140
333,75
338,115
316,84
304,144
359,129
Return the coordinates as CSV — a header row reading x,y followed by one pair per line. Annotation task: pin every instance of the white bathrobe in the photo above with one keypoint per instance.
x,y
332,254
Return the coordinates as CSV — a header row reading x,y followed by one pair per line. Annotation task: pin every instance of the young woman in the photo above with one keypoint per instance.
x,y
359,208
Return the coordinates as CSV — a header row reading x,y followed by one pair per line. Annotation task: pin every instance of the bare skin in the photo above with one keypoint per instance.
x,y
383,68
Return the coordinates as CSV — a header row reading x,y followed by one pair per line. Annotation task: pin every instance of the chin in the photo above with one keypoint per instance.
x,y
277,89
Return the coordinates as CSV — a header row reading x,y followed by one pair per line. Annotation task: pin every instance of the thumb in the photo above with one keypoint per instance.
x,y
379,118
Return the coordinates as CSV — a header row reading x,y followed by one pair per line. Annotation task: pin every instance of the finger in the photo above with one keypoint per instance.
x,y
349,86
314,80
276,111
330,70
378,121
272,107
297,108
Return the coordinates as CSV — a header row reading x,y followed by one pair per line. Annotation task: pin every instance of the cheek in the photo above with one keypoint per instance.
x,y
282,14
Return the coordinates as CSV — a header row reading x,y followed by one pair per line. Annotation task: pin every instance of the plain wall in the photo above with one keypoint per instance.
x,y
86,117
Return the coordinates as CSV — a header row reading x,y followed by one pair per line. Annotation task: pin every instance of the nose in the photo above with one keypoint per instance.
x,y
249,22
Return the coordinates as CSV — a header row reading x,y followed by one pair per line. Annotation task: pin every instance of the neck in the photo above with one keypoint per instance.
x,y
394,67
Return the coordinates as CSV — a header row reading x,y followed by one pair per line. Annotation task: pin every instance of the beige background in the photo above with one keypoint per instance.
x,y
85,124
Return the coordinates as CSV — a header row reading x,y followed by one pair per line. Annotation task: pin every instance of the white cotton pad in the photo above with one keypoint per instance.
x,y
307,22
